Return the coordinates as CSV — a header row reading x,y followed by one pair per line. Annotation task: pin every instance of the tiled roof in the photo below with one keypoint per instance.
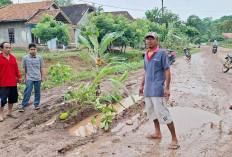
x,y
54,13
123,13
227,35
23,11
75,12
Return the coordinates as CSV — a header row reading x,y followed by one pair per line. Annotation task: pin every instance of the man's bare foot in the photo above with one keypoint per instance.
x,y
154,136
174,144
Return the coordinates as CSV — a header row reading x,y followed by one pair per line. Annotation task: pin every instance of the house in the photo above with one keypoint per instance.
x,y
78,13
17,21
122,13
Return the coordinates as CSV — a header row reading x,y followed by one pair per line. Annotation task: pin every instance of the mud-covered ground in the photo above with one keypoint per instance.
x,y
199,104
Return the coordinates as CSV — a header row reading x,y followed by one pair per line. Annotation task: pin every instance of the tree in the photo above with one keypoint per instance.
x,y
49,29
107,23
62,34
5,2
175,39
194,21
155,15
64,2
191,31
99,10
45,30
223,18
225,26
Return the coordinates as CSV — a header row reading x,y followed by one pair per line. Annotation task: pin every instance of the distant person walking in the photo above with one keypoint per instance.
x,y
33,76
157,71
9,72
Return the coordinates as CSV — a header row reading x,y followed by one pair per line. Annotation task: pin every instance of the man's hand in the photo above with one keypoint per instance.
x,y
42,79
20,81
167,94
141,90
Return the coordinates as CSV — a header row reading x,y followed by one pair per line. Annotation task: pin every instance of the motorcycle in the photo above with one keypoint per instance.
x,y
214,49
227,65
187,53
171,56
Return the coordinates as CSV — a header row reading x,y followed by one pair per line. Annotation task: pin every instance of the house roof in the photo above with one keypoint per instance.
x,y
227,35
55,13
75,12
122,13
23,11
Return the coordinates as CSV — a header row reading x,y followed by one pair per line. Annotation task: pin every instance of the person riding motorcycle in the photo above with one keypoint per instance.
x,y
215,44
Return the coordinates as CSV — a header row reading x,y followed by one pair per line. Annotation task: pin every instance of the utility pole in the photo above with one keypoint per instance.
x,y
162,8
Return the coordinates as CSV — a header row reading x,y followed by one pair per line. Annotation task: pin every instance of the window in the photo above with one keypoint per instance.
x,y
11,35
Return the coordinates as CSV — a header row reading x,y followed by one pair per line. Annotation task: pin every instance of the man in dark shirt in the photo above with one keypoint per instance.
x,y
157,72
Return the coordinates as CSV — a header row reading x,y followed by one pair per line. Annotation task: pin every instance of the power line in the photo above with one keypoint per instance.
x,y
112,6
203,12
186,10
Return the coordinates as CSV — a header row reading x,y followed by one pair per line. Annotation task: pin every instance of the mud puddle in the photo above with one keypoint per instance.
x,y
130,143
85,127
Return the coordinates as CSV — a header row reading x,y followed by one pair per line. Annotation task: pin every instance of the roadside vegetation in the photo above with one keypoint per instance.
x,y
114,45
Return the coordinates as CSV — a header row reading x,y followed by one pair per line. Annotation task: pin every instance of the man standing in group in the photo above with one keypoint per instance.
x,y
33,76
157,71
9,71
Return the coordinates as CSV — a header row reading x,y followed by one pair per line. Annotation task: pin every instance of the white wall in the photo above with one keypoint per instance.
x,y
21,33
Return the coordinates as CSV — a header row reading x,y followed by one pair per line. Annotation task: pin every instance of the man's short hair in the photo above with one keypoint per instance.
x,y
32,45
2,44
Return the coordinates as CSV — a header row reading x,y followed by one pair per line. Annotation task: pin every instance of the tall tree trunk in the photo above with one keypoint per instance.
x,y
125,49
112,46
120,48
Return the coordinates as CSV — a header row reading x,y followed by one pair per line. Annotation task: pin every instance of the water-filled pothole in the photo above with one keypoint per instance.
x,y
85,127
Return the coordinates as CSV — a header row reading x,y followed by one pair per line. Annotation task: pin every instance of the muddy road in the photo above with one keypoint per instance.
x,y
199,104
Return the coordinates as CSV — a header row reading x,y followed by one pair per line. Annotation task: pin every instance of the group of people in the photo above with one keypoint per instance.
x,y
32,65
155,84
157,72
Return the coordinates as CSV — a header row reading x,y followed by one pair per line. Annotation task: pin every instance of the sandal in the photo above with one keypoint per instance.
x,y
12,116
1,119
152,136
174,146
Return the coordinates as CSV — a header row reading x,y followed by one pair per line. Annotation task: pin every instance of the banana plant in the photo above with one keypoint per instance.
x,y
96,49
91,93
97,52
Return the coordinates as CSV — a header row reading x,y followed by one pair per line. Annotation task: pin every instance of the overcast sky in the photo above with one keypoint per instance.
x,y
201,8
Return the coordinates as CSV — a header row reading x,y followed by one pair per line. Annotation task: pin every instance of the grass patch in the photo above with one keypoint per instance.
x,y
133,59
195,50
47,55
229,46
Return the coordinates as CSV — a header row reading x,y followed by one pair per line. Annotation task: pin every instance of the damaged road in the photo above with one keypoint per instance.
x,y
199,104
